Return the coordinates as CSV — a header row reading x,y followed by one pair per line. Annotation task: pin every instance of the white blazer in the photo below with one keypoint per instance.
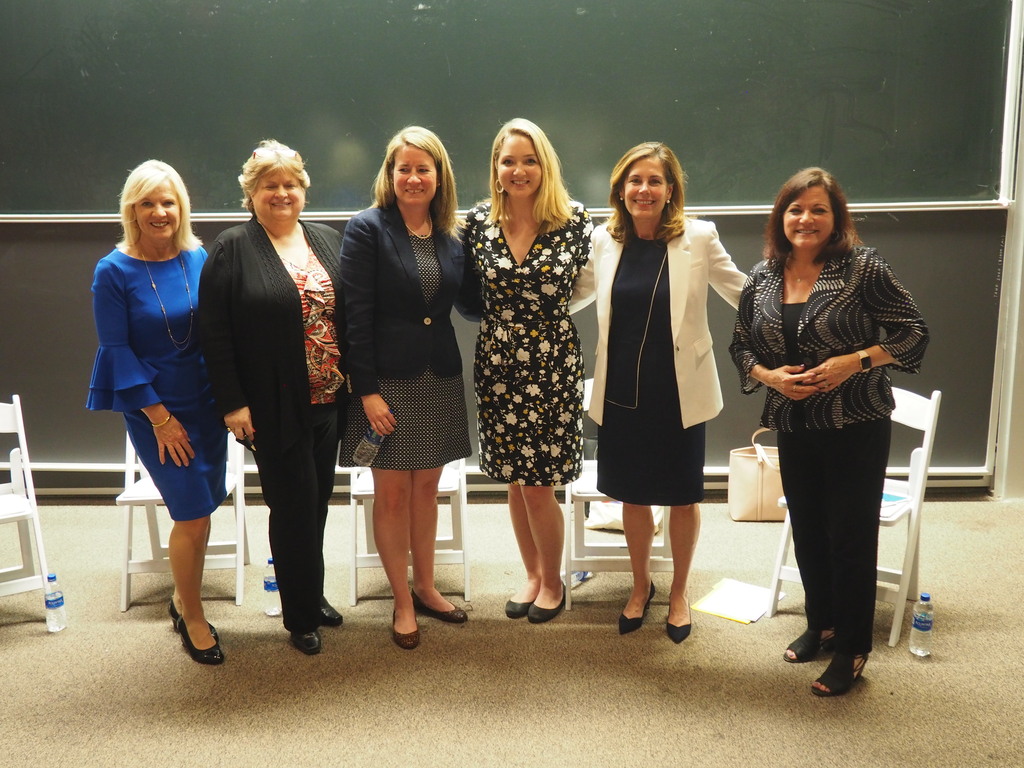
x,y
696,259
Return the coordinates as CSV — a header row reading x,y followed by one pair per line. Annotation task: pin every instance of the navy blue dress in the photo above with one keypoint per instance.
x,y
644,455
138,365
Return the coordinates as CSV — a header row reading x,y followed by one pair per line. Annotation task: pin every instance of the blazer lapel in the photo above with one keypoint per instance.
x,y
826,289
399,237
679,257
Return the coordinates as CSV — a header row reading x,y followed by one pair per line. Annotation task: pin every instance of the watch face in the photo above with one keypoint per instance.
x,y
865,363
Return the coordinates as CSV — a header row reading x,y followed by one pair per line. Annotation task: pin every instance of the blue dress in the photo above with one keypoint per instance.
x,y
138,365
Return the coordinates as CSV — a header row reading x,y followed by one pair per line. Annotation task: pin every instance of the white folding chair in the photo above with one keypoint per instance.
x,y
902,499
449,549
583,554
140,491
18,505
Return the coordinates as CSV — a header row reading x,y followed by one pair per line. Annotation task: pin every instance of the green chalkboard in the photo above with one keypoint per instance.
x,y
902,99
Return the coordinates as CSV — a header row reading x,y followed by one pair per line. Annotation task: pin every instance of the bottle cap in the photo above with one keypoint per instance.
x,y
925,597
51,577
270,561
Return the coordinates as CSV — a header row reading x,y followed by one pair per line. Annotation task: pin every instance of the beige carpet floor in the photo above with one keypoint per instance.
x,y
117,689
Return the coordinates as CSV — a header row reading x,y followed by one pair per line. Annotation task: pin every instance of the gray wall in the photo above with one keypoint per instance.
x,y
950,261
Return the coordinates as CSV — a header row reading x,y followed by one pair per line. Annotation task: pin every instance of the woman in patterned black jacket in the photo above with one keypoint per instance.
x,y
810,328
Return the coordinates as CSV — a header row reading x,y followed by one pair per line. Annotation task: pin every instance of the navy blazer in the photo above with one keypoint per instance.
x,y
392,332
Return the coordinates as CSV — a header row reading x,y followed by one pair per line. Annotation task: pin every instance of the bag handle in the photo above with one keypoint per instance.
x,y
762,455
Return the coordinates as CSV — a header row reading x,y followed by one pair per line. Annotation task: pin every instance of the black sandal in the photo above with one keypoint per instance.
x,y
841,674
806,647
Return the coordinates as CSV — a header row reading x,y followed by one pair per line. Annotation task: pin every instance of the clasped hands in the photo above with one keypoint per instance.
x,y
798,383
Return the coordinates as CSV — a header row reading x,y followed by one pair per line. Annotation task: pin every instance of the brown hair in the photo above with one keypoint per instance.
x,y
673,222
778,249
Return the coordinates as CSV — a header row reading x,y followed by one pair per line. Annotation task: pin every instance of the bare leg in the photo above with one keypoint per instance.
x,y
527,549
547,526
423,536
638,525
392,499
684,528
187,552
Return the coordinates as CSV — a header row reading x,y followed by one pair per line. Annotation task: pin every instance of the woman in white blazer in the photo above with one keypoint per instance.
x,y
655,380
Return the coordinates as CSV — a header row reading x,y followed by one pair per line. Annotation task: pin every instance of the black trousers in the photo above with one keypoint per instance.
x,y
297,487
833,483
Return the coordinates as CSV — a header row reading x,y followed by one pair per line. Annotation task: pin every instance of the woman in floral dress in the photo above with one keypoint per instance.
x,y
527,245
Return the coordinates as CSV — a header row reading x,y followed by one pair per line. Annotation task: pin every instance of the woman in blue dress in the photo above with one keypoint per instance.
x,y
149,367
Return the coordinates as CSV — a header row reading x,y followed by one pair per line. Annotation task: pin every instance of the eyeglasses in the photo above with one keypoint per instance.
x,y
272,153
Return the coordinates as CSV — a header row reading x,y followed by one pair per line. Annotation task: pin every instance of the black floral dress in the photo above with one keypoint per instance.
x,y
528,368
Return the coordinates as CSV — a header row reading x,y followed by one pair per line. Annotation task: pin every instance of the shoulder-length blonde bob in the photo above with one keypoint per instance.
x,y
139,184
673,220
553,206
444,205
778,249
270,155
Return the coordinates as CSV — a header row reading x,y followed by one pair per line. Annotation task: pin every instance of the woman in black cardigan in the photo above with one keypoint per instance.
x,y
272,329
819,320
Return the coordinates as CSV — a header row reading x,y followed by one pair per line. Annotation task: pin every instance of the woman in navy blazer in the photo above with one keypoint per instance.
x,y
655,373
402,268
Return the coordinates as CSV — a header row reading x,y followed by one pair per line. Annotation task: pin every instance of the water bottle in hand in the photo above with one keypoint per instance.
x,y
56,617
921,629
369,445
271,596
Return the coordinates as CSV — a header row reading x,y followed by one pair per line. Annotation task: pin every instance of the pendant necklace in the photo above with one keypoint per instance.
x,y
183,344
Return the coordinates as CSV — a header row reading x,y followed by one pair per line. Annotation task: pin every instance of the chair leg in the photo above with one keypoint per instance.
x,y
241,549
776,584
353,583
126,576
570,514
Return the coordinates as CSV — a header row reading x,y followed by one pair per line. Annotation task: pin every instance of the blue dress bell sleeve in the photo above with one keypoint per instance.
x,y
120,380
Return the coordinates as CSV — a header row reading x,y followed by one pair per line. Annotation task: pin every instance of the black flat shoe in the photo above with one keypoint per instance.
x,y
627,625
329,617
517,610
404,640
213,655
805,648
175,616
540,615
840,675
307,642
454,616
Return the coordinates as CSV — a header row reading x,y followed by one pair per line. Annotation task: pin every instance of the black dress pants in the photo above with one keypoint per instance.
x,y
297,487
833,483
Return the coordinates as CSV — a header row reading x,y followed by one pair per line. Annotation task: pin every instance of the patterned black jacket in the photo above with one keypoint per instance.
x,y
855,298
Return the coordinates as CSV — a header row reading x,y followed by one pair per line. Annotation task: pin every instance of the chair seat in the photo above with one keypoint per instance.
x,y
14,508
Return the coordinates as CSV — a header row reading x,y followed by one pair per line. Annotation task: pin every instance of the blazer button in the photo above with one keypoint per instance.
x,y
427,321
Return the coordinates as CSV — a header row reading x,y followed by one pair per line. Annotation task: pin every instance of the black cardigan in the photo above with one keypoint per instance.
x,y
252,335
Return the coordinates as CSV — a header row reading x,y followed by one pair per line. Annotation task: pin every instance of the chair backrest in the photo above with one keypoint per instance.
x,y
921,413
12,422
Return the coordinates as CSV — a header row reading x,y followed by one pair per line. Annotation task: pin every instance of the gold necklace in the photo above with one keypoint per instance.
x,y
179,345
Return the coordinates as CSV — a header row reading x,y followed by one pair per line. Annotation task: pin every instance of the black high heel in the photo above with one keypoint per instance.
x,y
842,672
627,625
175,616
212,655
805,648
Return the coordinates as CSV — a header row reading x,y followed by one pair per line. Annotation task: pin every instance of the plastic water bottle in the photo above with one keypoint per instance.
x,y
366,451
271,596
56,616
921,630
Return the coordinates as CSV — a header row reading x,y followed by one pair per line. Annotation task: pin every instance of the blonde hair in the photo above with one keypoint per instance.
x,y
553,206
139,184
445,203
673,220
270,155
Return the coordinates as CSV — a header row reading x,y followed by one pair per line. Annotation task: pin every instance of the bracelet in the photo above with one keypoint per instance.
x,y
161,423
